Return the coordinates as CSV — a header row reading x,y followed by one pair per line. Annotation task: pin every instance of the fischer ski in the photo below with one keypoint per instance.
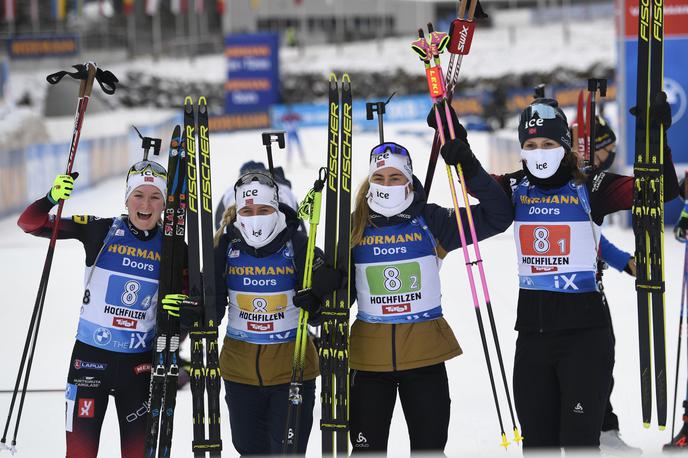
x,y
648,213
334,339
165,368
205,372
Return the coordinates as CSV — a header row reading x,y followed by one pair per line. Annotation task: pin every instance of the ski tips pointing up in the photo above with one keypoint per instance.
x,y
333,77
346,79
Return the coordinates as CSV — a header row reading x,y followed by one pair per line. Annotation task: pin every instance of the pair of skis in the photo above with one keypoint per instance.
x,y
427,50
165,368
648,212
191,205
334,337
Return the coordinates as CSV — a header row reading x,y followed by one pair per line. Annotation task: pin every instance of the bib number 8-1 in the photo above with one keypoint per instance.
x,y
541,240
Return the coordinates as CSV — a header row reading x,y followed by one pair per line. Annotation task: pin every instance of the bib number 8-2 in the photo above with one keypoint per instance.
x,y
392,282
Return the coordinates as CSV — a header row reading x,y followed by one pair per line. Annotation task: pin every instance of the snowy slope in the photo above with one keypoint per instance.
x,y
473,429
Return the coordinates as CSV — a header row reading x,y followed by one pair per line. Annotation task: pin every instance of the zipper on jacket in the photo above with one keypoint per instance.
x,y
394,347
260,379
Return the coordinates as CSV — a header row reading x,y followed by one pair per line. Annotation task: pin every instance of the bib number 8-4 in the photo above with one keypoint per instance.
x,y
131,288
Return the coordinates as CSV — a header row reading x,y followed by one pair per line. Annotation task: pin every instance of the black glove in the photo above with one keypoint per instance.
x,y
309,301
681,227
660,111
325,278
459,130
456,152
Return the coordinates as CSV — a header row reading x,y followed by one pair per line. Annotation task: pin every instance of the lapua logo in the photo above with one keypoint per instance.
x,y
534,122
249,192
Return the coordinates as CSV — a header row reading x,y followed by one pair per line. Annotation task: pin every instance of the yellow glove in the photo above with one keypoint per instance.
x,y
62,187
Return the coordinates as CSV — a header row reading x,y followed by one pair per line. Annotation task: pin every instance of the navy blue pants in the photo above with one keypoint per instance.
x,y
258,416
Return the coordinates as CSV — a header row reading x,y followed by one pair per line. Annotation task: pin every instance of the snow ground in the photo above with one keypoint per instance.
x,y
473,428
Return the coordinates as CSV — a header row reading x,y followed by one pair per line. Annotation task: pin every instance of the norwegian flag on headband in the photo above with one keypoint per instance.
x,y
151,179
380,164
249,201
532,131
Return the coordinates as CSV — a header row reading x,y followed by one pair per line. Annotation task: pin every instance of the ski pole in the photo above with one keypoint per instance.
x,y
268,139
594,84
379,108
680,322
459,45
87,73
438,95
309,209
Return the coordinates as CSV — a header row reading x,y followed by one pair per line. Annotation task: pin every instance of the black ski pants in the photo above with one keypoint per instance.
x,y
561,386
424,395
94,375
258,417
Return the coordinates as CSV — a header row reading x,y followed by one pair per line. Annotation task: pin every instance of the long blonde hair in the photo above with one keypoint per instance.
x,y
361,216
228,218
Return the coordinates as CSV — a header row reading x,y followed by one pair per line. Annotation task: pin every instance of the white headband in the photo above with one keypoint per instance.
x,y
388,159
146,177
256,193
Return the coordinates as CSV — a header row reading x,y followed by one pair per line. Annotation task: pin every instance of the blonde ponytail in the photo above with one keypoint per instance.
x,y
228,218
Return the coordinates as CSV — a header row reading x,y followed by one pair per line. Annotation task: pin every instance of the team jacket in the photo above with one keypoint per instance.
x,y
259,283
121,280
393,333
540,310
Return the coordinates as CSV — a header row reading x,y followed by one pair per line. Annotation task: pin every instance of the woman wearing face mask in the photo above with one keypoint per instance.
x,y
564,351
260,256
112,353
400,340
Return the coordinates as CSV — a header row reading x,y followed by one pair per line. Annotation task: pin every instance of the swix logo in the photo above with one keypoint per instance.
x,y
534,122
463,39
396,308
86,408
260,327
120,322
144,368
535,269
249,192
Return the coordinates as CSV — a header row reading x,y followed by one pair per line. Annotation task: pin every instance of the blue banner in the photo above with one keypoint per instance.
x,y
252,72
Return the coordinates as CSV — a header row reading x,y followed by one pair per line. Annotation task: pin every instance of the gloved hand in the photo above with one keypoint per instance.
x,y
456,152
172,303
62,187
307,300
630,268
660,111
459,130
681,226
325,278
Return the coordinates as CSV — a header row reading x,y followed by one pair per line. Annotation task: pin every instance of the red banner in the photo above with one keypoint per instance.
x,y
675,17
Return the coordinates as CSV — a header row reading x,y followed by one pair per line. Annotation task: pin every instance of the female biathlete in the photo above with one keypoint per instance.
x,y
260,256
112,352
564,352
400,340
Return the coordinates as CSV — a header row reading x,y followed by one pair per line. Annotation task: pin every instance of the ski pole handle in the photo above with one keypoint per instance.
x,y
268,139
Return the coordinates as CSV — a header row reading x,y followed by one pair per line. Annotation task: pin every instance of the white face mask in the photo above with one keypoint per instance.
x,y
258,230
543,163
389,200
